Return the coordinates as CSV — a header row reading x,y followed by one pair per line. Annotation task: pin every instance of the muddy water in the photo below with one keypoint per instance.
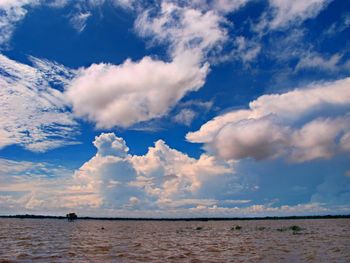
x,y
51,240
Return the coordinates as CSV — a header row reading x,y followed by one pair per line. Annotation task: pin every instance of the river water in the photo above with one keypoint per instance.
x,y
53,240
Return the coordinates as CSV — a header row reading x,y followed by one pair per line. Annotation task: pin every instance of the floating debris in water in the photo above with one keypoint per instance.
x,y
293,228
237,227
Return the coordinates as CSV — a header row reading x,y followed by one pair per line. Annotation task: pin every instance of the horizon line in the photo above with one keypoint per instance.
x,y
32,216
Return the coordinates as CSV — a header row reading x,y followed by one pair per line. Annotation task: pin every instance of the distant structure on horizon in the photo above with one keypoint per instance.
x,y
71,216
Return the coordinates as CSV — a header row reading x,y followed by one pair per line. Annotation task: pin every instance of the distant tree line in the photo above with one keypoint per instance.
x,y
74,216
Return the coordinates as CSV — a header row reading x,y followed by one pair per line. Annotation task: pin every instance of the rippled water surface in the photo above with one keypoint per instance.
x,y
52,240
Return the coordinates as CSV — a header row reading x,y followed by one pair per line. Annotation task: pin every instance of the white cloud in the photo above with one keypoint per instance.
x,y
302,124
317,61
79,21
33,186
52,71
185,117
58,3
198,104
259,139
228,6
109,144
133,92
124,3
162,183
242,201
321,138
221,6
263,210
162,179
286,12
157,179
338,26
247,50
187,111
102,186
178,173
33,114
11,12
184,28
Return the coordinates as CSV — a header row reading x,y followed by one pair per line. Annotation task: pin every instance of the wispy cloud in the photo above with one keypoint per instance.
x,y
287,12
34,115
317,61
185,117
11,12
79,21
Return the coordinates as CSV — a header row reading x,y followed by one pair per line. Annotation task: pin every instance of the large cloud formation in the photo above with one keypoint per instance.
x,y
135,91
161,183
122,95
302,124
161,178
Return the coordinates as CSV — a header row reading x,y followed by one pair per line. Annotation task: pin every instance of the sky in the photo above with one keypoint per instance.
x,y
173,108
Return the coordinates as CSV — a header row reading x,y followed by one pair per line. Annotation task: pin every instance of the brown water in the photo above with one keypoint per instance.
x,y
51,240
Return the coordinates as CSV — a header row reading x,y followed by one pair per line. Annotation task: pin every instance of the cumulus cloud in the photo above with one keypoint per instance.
x,y
109,144
102,186
302,124
259,139
111,95
113,180
33,114
163,182
137,91
160,179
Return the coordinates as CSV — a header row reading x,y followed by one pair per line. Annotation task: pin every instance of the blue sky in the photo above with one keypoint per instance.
x,y
175,108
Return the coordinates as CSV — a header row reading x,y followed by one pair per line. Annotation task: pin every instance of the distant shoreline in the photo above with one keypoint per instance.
x,y
27,216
